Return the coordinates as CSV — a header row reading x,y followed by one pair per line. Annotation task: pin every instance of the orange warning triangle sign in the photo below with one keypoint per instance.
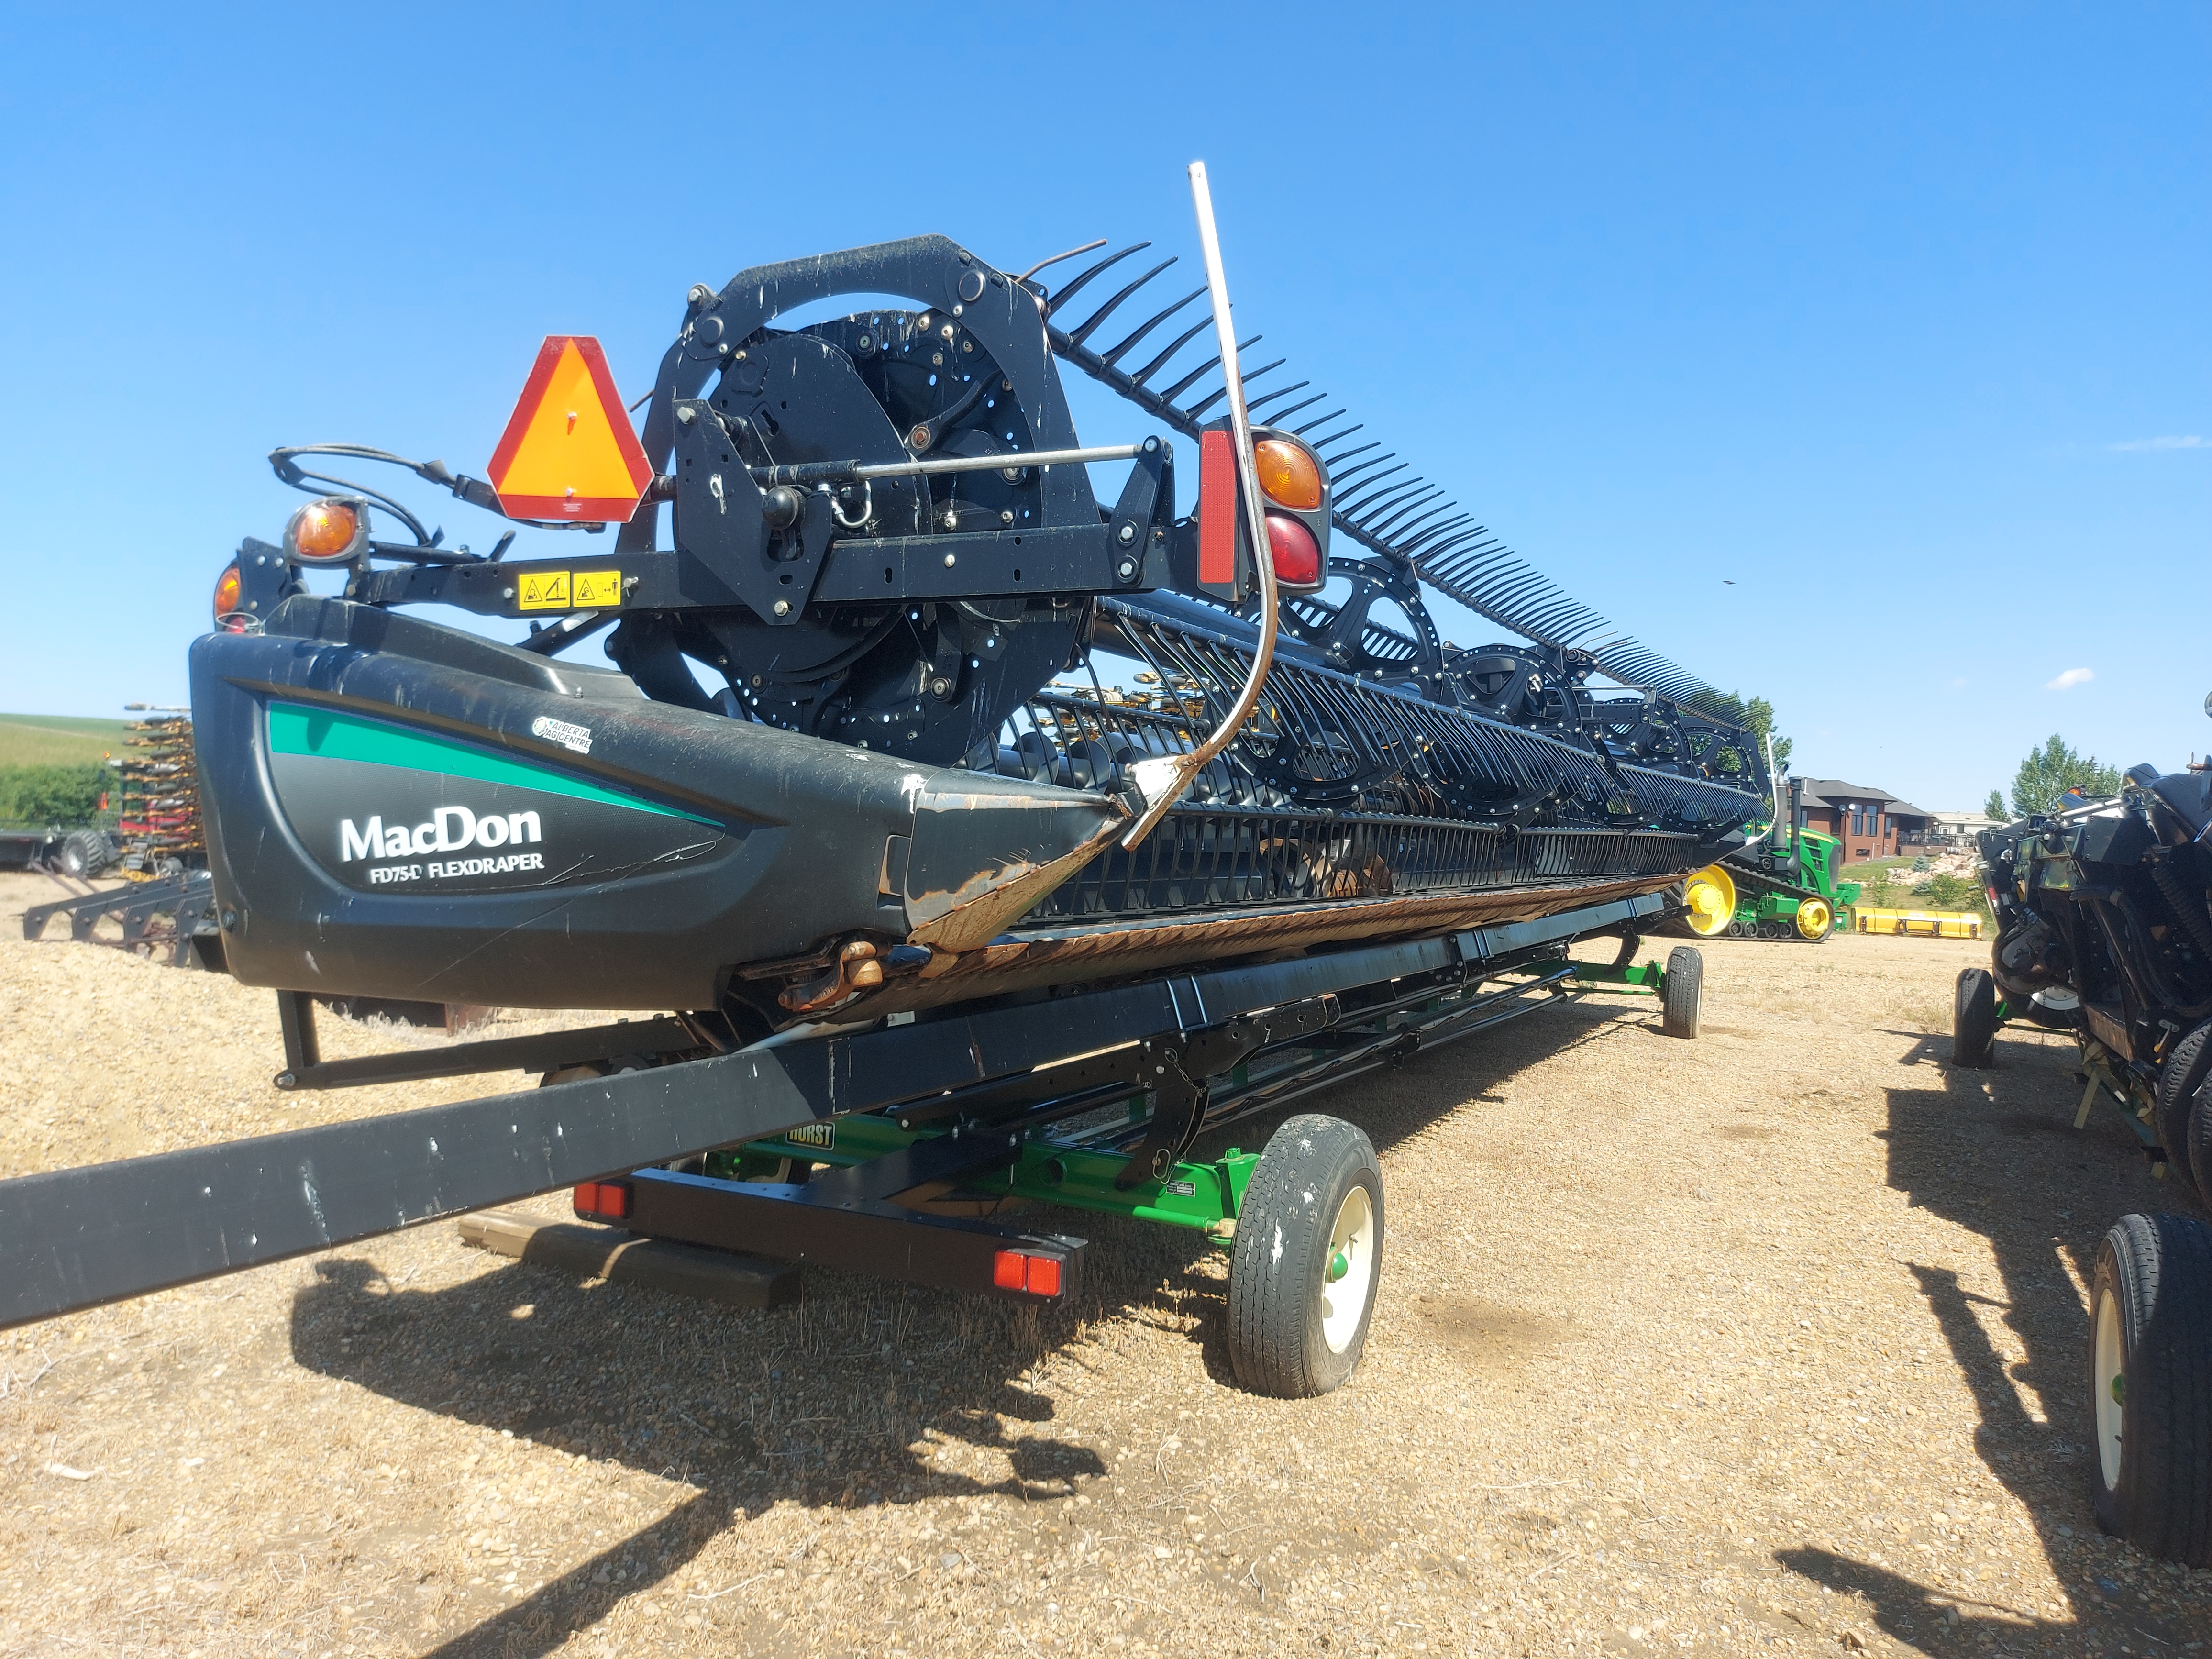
x,y
570,451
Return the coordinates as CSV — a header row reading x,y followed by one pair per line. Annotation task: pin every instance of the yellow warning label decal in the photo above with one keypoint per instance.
x,y
598,590
545,590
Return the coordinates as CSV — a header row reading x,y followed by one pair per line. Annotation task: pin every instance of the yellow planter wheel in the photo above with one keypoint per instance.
x,y
1712,897
1814,919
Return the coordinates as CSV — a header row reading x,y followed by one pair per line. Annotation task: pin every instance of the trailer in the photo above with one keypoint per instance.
x,y
902,1150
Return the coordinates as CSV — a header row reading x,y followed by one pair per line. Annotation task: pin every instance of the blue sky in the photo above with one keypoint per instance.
x,y
1894,317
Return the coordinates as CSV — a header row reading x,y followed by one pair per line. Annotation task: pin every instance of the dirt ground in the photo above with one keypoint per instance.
x,y
1773,1340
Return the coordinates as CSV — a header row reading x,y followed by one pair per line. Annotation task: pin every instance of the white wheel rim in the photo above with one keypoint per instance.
x,y
1349,1270
2112,1407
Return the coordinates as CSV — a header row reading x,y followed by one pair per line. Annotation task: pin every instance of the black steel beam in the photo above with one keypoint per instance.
x,y
76,1238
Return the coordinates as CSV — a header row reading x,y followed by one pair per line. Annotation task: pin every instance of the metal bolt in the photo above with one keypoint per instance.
x,y
783,607
937,360
959,310
700,293
739,358
939,686
948,559
229,920
1126,534
946,330
1127,569
286,1080
507,593
685,415
1006,517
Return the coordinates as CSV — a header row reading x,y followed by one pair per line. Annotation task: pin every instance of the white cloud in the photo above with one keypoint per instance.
x,y
2069,679
2193,441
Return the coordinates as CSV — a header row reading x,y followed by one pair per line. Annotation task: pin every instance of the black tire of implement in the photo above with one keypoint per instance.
x,y
1974,1018
1280,1263
2159,1269
2178,1080
2200,1134
1682,992
85,852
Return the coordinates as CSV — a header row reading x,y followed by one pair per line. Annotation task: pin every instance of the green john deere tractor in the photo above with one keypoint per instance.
x,y
1779,887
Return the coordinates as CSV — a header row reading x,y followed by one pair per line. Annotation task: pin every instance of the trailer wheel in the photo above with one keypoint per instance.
x,y
1308,1260
1682,992
2150,1385
2177,1082
1974,1018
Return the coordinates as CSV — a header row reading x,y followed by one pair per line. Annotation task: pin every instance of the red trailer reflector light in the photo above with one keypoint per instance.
x,y
1217,510
603,1199
1017,1270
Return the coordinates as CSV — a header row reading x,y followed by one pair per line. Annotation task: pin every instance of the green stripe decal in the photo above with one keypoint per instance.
x,y
333,734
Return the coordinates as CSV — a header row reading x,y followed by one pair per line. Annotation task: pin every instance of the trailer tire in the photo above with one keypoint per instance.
x,y
1974,1018
85,854
2150,1385
1682,993
2179,1079
1314,1200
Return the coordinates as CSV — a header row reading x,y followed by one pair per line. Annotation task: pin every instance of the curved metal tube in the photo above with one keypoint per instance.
x,y
1174,772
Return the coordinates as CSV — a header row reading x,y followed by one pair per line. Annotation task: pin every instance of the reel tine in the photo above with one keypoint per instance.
x,y
1204,368
1364,511
1324,421
1075,286
1116,355
1281,392
1410,533
1106,310
1384,528
1282,415
1412,544
1345,455
1193,411
1375,461
1182,340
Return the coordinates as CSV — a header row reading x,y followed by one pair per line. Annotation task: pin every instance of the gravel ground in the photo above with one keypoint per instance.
x,y
1770,1340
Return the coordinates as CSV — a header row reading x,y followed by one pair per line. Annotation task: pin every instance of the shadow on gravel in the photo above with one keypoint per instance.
x,y
1996,1151
822,1404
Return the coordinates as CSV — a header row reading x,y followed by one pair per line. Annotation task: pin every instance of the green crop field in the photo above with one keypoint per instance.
x,y
56,740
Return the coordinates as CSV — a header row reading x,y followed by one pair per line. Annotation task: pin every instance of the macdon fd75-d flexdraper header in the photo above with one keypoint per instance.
x,y
984,754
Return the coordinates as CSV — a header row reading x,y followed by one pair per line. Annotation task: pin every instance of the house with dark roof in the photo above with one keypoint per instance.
x,y
1872,824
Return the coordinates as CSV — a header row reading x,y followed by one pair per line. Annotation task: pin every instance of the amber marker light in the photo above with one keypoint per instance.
x,y
326,533
1289,475
229,590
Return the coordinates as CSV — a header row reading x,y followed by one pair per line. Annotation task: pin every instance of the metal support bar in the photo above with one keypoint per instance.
x,y
76,1238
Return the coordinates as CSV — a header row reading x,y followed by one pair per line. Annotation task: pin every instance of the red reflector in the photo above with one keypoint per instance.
x,y
1296,553
1015,1270
603,1198
1217,508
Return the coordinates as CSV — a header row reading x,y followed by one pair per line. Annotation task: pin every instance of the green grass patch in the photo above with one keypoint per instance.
x,y
58,740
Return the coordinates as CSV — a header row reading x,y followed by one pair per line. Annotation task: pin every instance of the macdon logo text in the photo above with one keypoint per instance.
x,y
450,830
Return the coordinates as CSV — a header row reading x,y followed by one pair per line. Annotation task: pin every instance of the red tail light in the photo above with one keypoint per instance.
x,y
1296,554
603,1201
1017,1270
